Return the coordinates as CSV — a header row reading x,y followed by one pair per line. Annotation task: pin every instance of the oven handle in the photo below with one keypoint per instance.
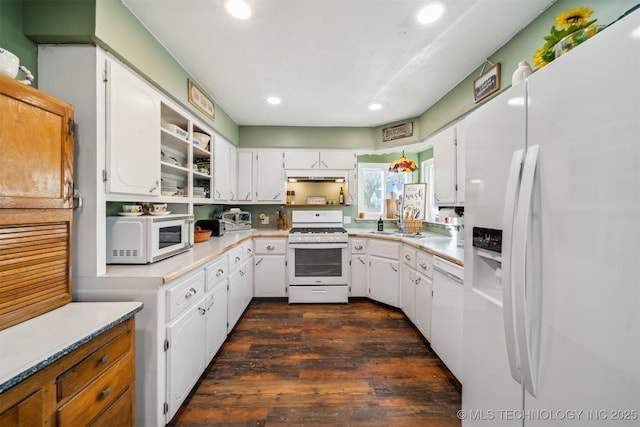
x,y
315,245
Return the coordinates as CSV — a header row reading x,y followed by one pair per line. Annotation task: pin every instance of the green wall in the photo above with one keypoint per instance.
x,y
12,37
109,24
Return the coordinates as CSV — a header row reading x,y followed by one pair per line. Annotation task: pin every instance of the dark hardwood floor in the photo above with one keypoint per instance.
x,y
360,364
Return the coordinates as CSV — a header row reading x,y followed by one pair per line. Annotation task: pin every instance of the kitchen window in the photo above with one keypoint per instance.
x,y
375,185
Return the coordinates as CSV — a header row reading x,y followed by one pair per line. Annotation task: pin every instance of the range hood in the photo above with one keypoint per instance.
x,y
316,175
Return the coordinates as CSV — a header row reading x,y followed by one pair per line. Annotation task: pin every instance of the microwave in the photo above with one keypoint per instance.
x,y
147,239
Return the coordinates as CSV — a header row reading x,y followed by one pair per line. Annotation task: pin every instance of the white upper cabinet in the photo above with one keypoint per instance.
x,y
449,173
224,169
269,177
244,176
133,133
309,159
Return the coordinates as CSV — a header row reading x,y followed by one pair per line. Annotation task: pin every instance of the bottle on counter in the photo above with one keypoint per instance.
x,y
293,197
380,224
341,196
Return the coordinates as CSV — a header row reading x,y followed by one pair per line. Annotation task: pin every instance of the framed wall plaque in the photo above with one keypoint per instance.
x,y
198,99
487,83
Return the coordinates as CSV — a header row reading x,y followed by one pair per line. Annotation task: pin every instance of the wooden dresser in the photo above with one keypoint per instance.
x,y
62,363
83,376
36,202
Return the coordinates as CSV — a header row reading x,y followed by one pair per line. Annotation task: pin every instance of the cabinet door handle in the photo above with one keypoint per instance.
x,y
323,164
361,261
104,359
220,272
270,248
393,268
242,272
276,197
104,393
358,248
154,187
314,164
259,261
191,292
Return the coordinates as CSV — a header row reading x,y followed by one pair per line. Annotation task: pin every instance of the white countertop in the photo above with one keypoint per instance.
x,y
34,344
436,244
169,269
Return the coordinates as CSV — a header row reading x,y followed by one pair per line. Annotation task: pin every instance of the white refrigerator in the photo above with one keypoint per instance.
x,y
552,243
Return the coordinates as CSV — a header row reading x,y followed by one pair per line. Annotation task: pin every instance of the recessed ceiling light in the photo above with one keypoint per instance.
x,y
238,9
274,100
430,13
375,107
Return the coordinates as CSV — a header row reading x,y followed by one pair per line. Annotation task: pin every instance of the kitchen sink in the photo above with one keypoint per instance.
x,y
398,234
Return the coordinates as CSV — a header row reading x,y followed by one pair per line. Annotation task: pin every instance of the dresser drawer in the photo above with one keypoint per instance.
x,y
120,413
98,395
185,293
97,363
270,246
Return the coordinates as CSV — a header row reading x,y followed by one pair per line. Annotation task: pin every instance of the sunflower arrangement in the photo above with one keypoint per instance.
x,y
565,24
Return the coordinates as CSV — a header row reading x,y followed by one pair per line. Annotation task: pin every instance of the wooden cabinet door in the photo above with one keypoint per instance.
x,y
36,148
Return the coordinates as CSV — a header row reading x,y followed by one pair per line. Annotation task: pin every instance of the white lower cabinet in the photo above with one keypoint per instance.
x,y
359,262
240,283
185,344
384,271
216,306
409,279
424,291
270,267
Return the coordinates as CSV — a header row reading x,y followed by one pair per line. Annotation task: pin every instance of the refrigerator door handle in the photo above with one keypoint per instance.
x,y
523,317
511,197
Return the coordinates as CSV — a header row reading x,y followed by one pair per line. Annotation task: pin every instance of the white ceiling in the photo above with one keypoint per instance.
x,y
329,59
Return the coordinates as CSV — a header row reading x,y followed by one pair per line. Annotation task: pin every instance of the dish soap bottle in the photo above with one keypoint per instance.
x,y
341,196
380,224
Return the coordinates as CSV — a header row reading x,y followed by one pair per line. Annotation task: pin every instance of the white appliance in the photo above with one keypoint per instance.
x,y
552,321
447,313
318,258
147,239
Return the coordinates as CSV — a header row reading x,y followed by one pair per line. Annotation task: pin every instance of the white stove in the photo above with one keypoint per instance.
x,y
318,258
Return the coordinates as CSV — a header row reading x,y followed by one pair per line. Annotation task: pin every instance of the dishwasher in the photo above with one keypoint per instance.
x,y
446,314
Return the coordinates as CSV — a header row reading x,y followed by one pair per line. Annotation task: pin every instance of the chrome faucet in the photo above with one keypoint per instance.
x,y
400,213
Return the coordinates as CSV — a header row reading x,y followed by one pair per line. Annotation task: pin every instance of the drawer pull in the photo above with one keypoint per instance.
x,y
202,311
407,257
236,259
104,393
361,261
259,261
104,359
191,292
270,247
249,250
220,272
359,247
423,265
393,268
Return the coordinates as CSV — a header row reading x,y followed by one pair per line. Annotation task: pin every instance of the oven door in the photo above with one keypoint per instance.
x,y
318,264
170,237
